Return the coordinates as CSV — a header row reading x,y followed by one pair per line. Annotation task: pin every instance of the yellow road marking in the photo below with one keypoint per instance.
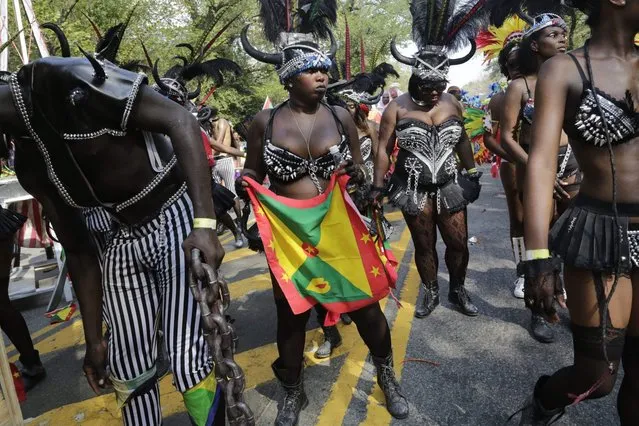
x,y
102,410
342,390
46,329
377,413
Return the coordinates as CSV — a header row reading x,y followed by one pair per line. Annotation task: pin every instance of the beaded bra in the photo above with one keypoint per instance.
x,y
285,166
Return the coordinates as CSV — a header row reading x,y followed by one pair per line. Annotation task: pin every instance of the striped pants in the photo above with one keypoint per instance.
x,y
145,271
224,170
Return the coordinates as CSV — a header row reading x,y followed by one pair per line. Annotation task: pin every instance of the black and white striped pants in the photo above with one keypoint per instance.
x,y
99,224
224,173
145,271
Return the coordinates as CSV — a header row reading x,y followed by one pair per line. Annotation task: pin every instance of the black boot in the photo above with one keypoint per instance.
x,y
396,403
431,299
346,319
458,296
534,414
33,371
541,330
295,400
332,340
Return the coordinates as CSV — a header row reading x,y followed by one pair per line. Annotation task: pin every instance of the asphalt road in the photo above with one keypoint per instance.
x,y
455,370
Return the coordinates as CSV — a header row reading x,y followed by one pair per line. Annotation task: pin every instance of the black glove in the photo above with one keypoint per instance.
x,y
542,286
470,185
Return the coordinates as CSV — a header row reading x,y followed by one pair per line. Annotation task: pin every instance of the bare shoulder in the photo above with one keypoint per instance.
x,y
560,68
261,118
452,103
341,113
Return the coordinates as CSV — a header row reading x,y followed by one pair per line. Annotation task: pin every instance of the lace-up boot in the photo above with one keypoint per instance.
x,y
295,400
431,299
459,297
396,403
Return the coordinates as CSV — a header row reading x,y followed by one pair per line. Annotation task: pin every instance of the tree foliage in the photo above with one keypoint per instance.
x,y
161,24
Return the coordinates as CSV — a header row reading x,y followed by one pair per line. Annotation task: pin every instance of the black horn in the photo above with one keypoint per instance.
x,y
98,72
376,99
399,57
523,15
157,78
333,49
65,51
468,57
183,59
269,58
196,93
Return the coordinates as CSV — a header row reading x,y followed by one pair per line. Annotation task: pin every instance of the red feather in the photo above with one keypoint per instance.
x,y
208,95
216,36
466,18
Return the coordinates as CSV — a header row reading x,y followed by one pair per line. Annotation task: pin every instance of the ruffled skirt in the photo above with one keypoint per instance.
x,y
585,236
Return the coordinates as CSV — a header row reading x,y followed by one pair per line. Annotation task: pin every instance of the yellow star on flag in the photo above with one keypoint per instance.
x,y
259,211
375,271
285,276
366,238
271,245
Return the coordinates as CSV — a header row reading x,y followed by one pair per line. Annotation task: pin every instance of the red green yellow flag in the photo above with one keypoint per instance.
x,y
320,250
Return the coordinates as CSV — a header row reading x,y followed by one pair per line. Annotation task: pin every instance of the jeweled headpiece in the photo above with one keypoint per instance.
x,y
295,35
492,40
543,21
440,28
364,88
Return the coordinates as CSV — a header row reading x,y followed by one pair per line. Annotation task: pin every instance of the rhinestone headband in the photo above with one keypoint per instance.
x,y
313,59
545,20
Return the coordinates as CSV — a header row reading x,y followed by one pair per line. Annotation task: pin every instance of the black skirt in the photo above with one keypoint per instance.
x,y
10,223
584,236
223,199
451,196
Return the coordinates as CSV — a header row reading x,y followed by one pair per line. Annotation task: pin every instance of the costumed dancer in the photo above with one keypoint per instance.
x,y
299,146
173,86
503,43
11,320
357,95
545,38
591,94
428,125
88,105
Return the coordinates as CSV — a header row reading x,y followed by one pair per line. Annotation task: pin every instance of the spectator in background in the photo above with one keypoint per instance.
x,y
456,92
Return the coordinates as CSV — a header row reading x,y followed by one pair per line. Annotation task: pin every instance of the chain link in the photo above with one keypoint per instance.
x,y
211,292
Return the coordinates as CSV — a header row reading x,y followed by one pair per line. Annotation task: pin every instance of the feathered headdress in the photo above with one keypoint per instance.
x,y
193,66
492,40
295,33
441,27
364,88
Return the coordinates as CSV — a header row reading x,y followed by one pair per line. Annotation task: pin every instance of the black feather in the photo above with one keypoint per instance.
x,y
108,46
469,19
213,68
384,70
316,17
274,17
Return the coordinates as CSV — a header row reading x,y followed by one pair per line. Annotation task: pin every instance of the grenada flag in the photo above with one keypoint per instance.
x,y
321,251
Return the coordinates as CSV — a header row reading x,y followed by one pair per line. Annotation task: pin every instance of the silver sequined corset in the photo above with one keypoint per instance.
x,y
428,151
622,120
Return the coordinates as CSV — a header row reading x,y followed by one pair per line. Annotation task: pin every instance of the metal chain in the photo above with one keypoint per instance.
x,y
211,292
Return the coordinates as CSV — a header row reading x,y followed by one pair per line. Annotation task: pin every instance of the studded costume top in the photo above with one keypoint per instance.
x,y
61,103
285,166
426,165
621,117
366,148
